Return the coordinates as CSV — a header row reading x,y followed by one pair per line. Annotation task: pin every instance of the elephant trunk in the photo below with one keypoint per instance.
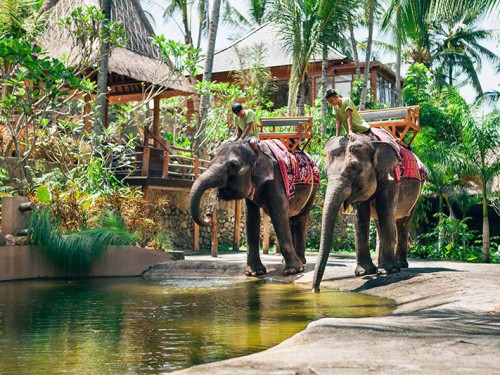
x,y
333,199
214,177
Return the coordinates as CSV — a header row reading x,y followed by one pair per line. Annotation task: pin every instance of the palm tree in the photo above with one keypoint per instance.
x,y
447,43
102,76
444,7
301,24
370,7
479,158
209,59
458,48
392,23
259,12
333,36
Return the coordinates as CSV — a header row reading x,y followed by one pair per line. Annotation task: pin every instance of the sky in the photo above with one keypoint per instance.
x,y
490,80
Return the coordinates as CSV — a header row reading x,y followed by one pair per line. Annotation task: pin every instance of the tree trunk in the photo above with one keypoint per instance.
x,y
207,73
324,84
102,77
301,99
398,97
440,211
354,47
366,80
486,230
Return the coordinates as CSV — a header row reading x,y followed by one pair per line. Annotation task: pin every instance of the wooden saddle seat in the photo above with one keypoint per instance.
x,y
403,122
294,132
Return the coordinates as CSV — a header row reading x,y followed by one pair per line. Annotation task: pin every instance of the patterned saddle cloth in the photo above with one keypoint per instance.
x,y
410,166
298,168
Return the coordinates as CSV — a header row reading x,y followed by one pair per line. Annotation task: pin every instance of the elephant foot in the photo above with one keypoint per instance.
x,y
403,264
255,270
293,270
362,270
387,268
302,260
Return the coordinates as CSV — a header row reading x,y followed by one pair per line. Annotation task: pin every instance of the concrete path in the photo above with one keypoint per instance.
x,y
447,321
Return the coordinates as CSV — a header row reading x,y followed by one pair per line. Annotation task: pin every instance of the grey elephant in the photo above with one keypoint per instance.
x,y
361,172
238,172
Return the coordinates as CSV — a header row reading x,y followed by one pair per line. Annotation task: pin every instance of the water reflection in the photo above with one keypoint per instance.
x,y
136,326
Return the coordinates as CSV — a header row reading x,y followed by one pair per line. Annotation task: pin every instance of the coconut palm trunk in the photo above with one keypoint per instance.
x,y
371,15
209,61
102,77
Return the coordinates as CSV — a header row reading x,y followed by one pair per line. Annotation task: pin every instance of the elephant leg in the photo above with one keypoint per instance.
x,y
365,265
377,240
298,226
254,264
278,211
387,234
403,228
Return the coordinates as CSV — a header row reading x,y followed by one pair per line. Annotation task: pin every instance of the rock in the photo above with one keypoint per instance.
x,y
22,240
10,240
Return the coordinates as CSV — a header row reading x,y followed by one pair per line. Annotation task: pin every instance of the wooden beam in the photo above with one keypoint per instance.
x,y
196,237
237,225
166,161
145,161
196,227
156,120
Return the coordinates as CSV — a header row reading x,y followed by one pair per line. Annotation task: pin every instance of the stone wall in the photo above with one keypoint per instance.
x,y
181,223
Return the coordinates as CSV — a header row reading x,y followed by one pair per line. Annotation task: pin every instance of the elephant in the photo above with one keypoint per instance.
x,y
238,171
361,173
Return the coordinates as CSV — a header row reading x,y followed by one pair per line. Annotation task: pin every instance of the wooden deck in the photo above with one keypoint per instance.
x,y
163,169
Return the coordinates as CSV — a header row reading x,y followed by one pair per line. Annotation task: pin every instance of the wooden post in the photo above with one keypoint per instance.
x,y
106,113
166,162
266,221
156,119
145,161
196,166
215,240
196,227
237,225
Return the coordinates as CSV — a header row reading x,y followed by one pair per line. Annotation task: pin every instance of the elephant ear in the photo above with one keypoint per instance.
x,y
386,157
263,169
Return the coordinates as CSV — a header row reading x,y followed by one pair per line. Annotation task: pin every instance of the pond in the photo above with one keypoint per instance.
x,y
130,325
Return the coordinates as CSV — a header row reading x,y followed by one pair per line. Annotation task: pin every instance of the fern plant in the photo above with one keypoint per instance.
x,y
75,252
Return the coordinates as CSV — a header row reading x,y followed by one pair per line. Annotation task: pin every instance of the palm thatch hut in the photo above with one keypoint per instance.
x,y
136,70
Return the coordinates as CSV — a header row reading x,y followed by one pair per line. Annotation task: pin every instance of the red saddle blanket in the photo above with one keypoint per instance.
x,y
298,168
410,165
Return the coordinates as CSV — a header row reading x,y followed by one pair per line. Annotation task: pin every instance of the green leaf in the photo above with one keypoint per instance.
x,y
43,194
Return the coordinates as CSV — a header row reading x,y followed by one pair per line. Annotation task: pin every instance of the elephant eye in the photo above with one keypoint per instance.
x,y
233,166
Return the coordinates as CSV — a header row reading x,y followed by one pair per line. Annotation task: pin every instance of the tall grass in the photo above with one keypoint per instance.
x,y
75,252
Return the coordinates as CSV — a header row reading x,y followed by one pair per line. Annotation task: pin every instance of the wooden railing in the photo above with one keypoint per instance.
x,y
171,163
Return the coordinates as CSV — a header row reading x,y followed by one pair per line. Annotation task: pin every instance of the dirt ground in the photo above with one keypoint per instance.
x,y
447,321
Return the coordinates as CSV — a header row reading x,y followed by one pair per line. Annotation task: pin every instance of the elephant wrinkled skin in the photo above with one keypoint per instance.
x,y
361,173
238,172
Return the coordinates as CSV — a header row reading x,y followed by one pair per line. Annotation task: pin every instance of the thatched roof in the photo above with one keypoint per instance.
x,y
274,53
129,67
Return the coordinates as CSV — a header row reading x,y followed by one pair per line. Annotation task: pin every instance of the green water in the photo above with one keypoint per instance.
x,y
133,326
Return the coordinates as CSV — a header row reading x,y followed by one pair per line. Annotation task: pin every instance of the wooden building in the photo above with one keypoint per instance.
x,y
265,40
137,72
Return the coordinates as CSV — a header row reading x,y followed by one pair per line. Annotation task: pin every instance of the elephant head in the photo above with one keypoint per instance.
x,y
237,171
353,169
